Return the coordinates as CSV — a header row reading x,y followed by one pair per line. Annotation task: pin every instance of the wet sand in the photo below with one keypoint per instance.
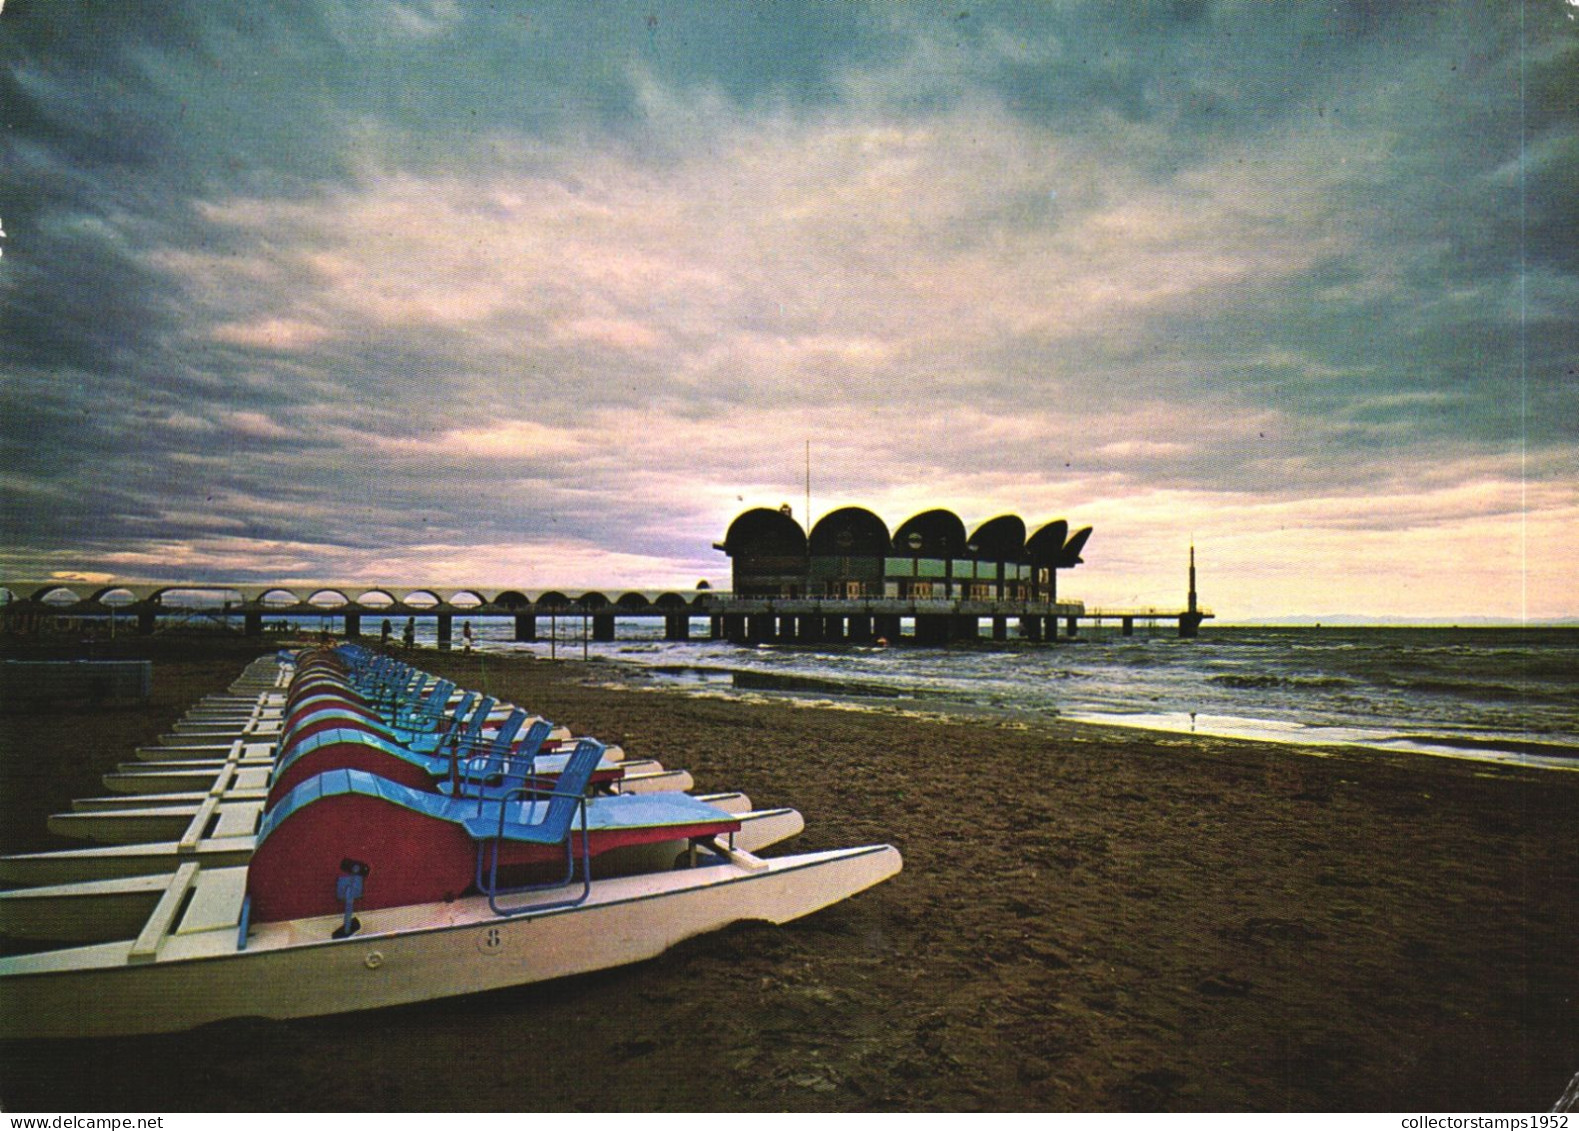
x,y
1088,919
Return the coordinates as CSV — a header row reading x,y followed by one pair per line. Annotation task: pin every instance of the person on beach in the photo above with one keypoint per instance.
x,y
383,636
466,635
409,637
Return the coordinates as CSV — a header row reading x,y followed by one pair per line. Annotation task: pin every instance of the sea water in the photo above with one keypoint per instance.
x,y
1498,694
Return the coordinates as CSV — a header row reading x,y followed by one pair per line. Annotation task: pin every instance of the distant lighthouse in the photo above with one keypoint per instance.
x,y
1190,620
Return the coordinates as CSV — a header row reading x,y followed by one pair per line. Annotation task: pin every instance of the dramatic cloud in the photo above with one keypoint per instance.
x,y
412,291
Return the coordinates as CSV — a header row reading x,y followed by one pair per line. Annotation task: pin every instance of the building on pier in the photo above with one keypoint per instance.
x,y
851,555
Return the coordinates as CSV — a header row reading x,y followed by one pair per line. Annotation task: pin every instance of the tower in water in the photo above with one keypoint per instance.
x,y
1190,619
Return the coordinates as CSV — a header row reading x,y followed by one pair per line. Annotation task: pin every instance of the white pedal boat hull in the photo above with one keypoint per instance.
x,y
100,910
408,954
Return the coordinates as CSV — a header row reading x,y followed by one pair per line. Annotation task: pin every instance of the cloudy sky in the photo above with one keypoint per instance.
x,y
546,293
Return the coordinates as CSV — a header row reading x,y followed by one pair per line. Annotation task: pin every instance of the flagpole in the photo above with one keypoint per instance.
x,y
808,485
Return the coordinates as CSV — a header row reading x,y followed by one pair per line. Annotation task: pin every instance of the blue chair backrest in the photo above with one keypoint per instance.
x,y
571,788
430,709
496,759
526,753
470,734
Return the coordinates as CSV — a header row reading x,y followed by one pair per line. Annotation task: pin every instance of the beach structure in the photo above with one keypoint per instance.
x,y
354,891
849,580
852,580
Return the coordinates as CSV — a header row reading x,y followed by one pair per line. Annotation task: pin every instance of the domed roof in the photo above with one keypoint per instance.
x,y
764,531
931,534
1046,544
850,532
1052,546
1000,539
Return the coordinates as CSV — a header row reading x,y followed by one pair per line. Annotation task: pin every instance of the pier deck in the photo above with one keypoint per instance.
x,y
741,619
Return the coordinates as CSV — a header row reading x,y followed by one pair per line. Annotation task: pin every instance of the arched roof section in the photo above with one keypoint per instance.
x,y
57,596
632,601
850,532
278,599
670,601
931,534
467,599
592,601
1000,539
1044,547
328,599
553,599
376,599
1070,555
511,599
421,599
114,597
766,532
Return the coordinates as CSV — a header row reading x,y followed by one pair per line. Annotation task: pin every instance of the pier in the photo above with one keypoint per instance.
x,y
362,609
849,580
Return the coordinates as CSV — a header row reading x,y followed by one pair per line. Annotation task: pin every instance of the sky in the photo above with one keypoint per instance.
x,y
545,294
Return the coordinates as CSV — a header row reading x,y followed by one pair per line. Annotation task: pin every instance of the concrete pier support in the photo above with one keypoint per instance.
x,y
1127,626
808,630
252,624
146,619
1073,625
677,626
860,630
603,627
787,626
446,631
932,629
525,628
888,627
1031,629
735,627
1190,626
353,626
760,628
965,628
1000,628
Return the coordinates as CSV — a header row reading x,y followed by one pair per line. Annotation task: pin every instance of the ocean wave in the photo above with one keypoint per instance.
x,y
1483,691
1258,680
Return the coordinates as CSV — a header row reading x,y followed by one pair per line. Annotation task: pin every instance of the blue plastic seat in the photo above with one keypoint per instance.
x,y
566,800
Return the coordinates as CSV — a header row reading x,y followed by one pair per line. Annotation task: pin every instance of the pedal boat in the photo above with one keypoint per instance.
x,y
440,898
186,966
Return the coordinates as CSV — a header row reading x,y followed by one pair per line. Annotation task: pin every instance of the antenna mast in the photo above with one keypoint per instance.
x,y
808,485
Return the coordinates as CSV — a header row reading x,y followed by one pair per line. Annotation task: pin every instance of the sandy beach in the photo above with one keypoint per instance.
x,y
1088,919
